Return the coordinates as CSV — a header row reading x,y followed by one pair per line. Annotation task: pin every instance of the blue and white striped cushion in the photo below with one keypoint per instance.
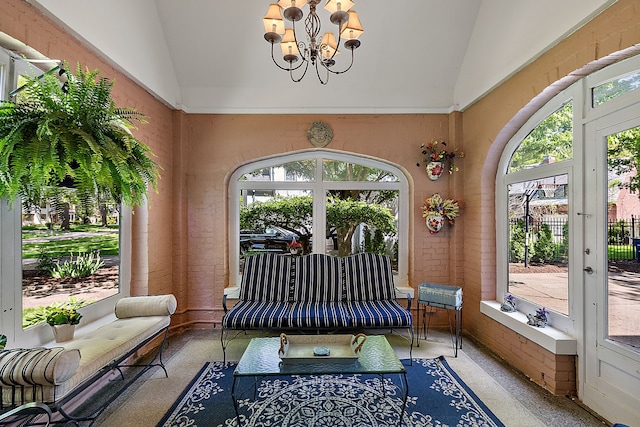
x,y
317,278
368,277
318,315
256,314
368,314
266,277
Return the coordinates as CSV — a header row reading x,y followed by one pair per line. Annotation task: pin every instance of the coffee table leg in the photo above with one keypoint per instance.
x,y
235,401
403,379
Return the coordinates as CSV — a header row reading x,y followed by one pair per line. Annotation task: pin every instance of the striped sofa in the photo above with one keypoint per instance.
x,y
316,293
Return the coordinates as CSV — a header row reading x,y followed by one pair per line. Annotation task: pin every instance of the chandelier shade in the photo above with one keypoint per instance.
x,y
353,28
273,22
289,45
312,49
329,45
292,3
336,5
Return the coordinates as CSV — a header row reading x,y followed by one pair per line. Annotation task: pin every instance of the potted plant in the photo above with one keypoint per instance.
x,y
63,322
435,157
295,247
436,209
508,304
54,133
3,342
539,319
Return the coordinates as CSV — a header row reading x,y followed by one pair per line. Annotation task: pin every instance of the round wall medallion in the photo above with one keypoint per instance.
x,y
319,134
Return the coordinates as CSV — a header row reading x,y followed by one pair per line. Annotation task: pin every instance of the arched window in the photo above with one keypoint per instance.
x,y
534,203
545,189
319,202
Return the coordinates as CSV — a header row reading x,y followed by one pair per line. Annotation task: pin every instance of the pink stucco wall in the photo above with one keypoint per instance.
x,y
219,144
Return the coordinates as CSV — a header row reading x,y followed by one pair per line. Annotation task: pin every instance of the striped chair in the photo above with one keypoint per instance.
x,y
371,296
317,294
264,294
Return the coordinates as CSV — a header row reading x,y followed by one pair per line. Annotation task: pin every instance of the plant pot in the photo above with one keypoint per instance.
x,y
537,320
508,306
434,170
63,333
434,223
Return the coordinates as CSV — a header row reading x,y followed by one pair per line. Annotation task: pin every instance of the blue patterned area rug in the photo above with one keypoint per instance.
x,y
437,397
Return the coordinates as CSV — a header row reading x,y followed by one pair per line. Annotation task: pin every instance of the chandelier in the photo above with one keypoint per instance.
x,y
319,53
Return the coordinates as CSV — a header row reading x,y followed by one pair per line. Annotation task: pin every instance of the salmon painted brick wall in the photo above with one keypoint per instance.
x,y
220,144
488,126
152,232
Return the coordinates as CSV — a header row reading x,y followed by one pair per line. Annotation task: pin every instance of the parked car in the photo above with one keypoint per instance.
x,y
271,239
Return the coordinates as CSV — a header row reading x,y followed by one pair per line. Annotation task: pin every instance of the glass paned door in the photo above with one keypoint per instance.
x,y
623,239
611,275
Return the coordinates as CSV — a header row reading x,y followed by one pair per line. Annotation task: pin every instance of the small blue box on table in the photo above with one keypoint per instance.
x,y
440,295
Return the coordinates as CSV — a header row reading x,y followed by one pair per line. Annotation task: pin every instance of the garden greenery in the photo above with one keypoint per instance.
x,y
33,316
84,265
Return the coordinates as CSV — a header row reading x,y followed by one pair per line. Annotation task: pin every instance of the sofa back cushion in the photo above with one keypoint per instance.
x,y
266,277
317,278
368,277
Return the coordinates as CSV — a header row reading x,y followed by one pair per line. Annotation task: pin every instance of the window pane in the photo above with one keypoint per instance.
x,y
539,241
300,171
335,170
613,89
70,250
623,229
279,221
362,221
551,141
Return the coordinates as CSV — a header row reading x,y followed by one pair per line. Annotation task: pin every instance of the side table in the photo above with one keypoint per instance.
x,y
442,296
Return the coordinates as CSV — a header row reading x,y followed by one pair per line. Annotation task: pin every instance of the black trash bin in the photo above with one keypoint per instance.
x,y
636,245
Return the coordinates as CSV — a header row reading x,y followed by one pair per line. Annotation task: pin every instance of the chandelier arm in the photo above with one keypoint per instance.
x,y
304,73
324,82
345,70
335,52
302,49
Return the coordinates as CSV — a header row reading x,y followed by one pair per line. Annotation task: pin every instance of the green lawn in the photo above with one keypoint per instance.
x,y
105,240
621,252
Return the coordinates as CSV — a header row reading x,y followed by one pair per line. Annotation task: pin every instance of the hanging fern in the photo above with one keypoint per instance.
x,y
51,134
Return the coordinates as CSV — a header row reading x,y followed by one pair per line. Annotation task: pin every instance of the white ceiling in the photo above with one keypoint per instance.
x,y
417,56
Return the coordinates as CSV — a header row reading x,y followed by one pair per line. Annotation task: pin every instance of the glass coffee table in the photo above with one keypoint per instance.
x,y
261,359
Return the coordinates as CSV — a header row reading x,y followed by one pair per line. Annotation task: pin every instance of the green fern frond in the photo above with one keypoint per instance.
x,y
48,135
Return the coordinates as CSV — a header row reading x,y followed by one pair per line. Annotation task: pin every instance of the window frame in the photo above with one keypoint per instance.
x,y
504,179
318,186
11,256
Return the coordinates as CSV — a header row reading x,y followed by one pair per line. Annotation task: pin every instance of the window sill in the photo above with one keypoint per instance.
x,y
553,340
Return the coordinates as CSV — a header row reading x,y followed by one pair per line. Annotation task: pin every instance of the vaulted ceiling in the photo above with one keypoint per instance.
x,y
417,56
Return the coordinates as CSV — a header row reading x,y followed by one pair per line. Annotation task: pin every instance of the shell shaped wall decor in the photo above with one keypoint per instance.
x,y
320,134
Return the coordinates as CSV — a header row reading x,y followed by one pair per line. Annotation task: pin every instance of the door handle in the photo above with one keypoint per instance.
x,y
589,270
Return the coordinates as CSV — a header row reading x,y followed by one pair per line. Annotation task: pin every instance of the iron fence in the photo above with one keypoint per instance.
x,y
623,236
